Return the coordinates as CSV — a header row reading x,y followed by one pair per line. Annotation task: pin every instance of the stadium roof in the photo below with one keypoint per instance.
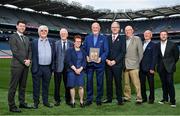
x,y
75,9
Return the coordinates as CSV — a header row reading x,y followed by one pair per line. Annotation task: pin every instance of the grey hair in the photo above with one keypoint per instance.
x,y
42,27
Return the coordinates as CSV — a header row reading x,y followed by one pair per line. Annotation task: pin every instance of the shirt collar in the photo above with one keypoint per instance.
x,y
20,34
63,41
41,39
165,42
116,35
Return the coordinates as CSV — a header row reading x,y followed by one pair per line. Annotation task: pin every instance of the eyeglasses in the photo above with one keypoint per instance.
x,y
44,31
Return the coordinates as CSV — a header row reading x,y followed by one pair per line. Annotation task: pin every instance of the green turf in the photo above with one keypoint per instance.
x,y
128,108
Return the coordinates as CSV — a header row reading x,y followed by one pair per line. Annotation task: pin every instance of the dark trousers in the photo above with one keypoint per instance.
x,y
150,77
57,83
167,85
99,79
18,77
115,73
42,76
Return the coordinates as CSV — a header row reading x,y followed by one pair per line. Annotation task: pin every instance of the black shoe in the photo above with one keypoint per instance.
x,y
68,103
120,103
107,101
48,105
151,101
144,100
73,105
25,105
56,103
15,109
35,106
82,105
138,103
173,105
88,103
98,103
125,100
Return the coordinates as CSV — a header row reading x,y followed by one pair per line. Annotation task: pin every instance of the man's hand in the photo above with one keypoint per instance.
x,y
151,71
27,62
99,60
113,62
108,62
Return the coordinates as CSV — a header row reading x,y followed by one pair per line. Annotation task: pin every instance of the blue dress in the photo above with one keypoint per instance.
x,y
74,80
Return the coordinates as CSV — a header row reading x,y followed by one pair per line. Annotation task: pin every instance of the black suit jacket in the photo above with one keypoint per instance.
x,y
35,56
20,50
148,61
169,59
117,50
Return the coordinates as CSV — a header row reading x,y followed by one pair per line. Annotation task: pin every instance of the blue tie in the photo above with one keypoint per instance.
x,y
95,40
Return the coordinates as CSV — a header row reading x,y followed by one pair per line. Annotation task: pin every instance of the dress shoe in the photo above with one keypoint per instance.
x,y
144,100
98,103
138,102
48,105
82,105
35,106
88,103
125,100
25,105
56,103
73,105
107,101
15,109
151,101
120,103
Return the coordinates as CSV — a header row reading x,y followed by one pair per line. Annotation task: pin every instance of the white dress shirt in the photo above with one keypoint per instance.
x,y
163,47
146,42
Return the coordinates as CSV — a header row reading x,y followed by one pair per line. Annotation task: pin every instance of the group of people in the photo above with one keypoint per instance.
x,y
118,57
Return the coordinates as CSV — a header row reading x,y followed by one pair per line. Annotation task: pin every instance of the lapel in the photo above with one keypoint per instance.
x,y
149,44
159,48
36,46
167,48
131,41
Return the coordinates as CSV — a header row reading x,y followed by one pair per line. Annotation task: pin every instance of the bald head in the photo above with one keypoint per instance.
x,y
147,35
95,28
129,31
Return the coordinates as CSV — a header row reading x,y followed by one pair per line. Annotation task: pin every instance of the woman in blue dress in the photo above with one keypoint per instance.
x,y
76,62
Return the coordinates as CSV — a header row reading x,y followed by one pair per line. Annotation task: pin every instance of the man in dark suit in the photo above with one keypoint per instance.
x,y
115,63
42,65
147,67
95,40
168,55
60,67
20,47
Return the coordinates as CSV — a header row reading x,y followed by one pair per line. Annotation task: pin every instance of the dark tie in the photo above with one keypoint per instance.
x,y
64,47
113,38
22,39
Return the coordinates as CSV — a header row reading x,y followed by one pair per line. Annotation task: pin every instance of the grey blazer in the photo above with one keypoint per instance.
x,y
134,53
20,50
59,55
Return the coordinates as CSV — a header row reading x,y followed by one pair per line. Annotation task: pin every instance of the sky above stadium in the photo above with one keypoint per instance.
x,y
127,4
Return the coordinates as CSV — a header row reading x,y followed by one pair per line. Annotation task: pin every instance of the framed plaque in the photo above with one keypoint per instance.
x,y
94,54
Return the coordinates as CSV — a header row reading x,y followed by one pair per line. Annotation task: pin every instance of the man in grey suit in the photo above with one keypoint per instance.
x,y
20,47
60,67
134,54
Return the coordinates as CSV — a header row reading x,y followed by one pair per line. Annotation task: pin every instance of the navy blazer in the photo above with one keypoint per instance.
x,y
148,61
35,59
117,50
71,58
170,58
101,43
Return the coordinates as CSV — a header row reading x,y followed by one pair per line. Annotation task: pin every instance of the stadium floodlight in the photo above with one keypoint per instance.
x,y
158,17
87,19
174,15
11,6
71,17
140,19
122,20
28,9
